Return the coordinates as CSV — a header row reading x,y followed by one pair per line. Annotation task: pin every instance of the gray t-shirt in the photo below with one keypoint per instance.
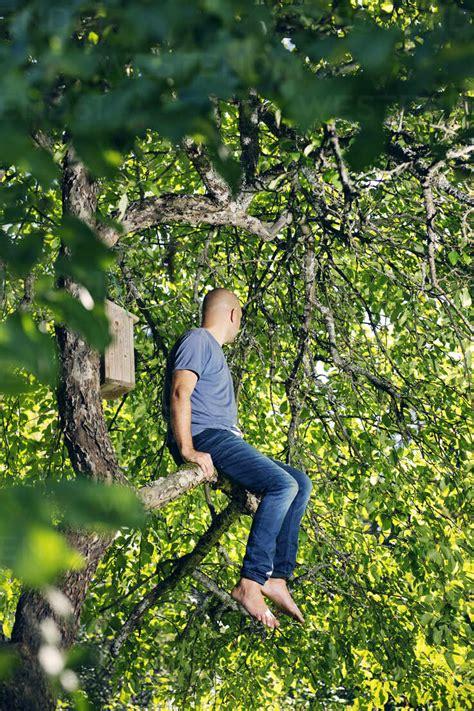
x,y
212,400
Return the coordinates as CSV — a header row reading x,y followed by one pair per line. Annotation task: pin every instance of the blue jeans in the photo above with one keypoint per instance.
x,y
273,540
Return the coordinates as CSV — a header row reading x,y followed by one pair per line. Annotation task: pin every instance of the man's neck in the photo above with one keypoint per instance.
x,y
217,332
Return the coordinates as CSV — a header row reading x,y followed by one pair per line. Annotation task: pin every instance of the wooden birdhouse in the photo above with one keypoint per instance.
x,y
117,366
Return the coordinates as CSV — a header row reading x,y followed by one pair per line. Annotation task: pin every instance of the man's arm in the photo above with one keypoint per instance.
x,y
182,385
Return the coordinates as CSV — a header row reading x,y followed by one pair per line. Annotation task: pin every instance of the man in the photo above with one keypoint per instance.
x,y
199,405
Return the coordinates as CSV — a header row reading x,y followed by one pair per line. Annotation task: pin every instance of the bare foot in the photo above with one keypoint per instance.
x,y
248,594
276,591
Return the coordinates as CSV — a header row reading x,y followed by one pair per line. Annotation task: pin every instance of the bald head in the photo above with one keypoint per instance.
x,y
221,312
218,301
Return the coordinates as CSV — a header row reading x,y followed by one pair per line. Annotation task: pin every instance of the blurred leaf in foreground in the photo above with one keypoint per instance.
x,y
36,550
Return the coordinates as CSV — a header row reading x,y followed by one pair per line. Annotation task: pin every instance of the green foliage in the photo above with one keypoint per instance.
x,y
22,253
384,563
23,344
160,68
33,548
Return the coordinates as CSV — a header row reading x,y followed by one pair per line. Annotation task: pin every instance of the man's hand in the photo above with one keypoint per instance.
x,y
204,460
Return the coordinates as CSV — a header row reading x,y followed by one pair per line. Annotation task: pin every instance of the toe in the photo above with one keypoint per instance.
x,y
273,622
266,618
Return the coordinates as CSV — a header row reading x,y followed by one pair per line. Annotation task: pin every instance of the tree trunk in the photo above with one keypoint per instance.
x,y
92,455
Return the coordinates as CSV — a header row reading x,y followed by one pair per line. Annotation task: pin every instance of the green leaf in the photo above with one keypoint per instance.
x,y
91,323
367,145
98,506
42,555
23,345
34,548
18,149
87,257
8,661
22,252
465,297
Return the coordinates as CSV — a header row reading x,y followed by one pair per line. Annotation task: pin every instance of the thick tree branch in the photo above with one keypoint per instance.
x,y
215,183
43,140
190,210
443,183
166,489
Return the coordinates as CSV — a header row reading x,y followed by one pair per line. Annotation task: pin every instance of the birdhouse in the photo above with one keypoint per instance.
x,y
117,366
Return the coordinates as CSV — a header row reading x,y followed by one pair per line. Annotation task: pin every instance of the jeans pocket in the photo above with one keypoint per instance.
x,y
213,440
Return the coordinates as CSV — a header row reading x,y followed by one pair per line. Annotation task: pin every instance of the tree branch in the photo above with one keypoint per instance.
x,y
190,210
183,567
158,339
215,183
346,365
248,133
443,183
347,186
222,595
432,244
166,489
309,275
